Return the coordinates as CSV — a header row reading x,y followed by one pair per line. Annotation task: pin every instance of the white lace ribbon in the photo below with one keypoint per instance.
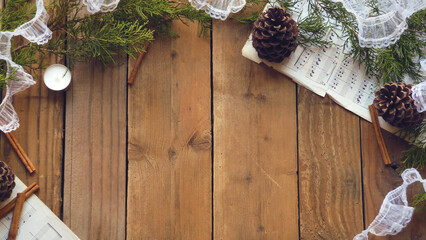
x,y
394,214
219,9
36,31
385,29
419,96
419,90
94,6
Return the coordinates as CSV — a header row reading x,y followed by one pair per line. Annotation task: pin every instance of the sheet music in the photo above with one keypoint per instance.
x,y
38,222
329,71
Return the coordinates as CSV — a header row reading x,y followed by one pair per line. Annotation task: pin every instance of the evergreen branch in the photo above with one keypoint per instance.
x,y
415,158
251,11
387,65
249,18
339,14
416,155
311,29
419,201
417,31
4,79
312,32
103,36
81,37
16,13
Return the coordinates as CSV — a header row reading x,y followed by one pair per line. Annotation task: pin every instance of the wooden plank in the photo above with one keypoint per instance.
x,y
255,143
169,149
379,180
330,169
40,134
41,117
95,151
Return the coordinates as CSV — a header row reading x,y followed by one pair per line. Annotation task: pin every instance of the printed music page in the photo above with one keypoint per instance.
x,y
38,222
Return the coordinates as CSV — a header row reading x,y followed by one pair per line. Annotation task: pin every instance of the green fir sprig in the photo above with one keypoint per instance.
x,y
79,36
415,157
16,13
388,64
419,201
311,29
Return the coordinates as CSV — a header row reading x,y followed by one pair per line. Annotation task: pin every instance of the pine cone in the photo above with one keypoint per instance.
x,y
394,103
275,35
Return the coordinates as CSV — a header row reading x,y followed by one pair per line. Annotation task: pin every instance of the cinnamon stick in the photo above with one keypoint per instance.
x,y
379,136
16,218
30,190
137,65
22,155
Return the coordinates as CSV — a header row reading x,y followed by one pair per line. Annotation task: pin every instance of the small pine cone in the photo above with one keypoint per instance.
x,y
7,181
275,35
394,103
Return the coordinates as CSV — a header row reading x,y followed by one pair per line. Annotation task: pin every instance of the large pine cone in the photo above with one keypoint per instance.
x,y
274,35
394,103
7,181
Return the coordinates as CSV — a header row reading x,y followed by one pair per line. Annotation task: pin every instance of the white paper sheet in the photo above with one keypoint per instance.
x,y
38,222
329,71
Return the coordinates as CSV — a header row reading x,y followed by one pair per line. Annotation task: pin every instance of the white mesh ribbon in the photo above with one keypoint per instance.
x,y
36,31
219,9
94,6
385,29
419,90
419,96
394,213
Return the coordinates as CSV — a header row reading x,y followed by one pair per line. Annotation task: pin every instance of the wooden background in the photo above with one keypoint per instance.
x,y
205,145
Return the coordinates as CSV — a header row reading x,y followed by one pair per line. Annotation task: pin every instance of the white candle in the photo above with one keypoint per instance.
x,y
57,77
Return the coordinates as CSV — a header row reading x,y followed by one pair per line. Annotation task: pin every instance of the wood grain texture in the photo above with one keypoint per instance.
x,y
95,151
330,190
255,144
379,180
41,118
169,148
40,134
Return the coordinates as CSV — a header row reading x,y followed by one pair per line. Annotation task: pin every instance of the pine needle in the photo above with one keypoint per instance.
x,y
419,201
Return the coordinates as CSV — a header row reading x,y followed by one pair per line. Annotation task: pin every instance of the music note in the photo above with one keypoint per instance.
x,y
29,211
303,58
334,85
346,62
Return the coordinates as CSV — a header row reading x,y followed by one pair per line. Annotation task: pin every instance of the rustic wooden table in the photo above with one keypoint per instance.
x,y
205,144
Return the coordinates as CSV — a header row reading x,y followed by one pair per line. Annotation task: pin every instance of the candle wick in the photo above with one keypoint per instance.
x,y
65,73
